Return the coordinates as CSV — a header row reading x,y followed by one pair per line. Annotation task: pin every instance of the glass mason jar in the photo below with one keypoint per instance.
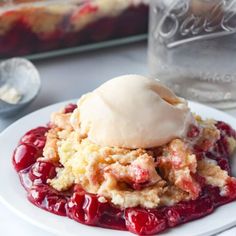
x,y
192,49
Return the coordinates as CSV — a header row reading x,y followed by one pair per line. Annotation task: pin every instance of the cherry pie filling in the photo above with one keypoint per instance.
x,y
87,209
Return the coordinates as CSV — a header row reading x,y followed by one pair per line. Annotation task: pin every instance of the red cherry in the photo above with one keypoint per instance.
x,y
55,204
193,131
231,188
70,108
84,208
216,197
35,137
221,148
220,151
75,208
173,217
226,129
84,10
200,180
41,171
187,211
142,221
224,164
111,217
48,198
24,156
91,209
25,180
12,43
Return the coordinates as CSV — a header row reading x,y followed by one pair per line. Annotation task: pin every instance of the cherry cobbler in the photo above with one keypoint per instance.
x,y
144,186
35,26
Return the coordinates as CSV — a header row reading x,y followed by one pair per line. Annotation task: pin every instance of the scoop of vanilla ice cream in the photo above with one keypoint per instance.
x,y
131,111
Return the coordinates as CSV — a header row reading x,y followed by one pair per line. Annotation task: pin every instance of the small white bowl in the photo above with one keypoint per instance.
x,y
22,75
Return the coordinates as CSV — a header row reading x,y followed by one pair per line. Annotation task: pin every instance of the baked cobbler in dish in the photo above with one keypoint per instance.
x,y
37,26
129,156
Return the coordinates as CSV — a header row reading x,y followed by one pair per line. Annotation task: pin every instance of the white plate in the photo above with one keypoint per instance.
x,y
13,194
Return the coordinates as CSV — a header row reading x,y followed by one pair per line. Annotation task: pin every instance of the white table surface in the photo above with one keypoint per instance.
x,y
69,77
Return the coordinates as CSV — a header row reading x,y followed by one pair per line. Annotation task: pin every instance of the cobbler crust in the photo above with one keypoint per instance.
x,y
129,178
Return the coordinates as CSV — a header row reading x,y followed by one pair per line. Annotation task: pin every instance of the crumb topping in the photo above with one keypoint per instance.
x,y
134,177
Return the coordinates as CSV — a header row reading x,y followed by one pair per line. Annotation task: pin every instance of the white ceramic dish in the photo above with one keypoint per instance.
x,y
13,194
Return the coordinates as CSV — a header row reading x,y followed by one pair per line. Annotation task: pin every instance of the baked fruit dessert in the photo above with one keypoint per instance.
x,y
129,156
34,26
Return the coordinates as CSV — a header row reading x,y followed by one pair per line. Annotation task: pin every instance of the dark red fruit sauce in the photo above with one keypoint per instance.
x,y
86,209
21,40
